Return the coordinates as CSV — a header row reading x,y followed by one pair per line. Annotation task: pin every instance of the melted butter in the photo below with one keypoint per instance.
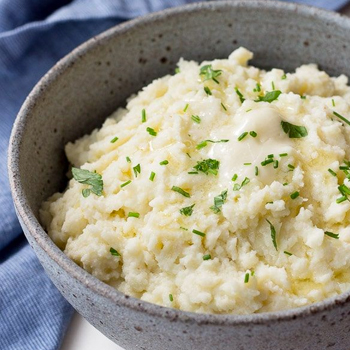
x,y
271,139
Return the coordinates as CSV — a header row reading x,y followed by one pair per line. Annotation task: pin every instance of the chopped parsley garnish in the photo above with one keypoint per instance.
x,y
253,134
223,106
206,257
275,164
256,171
207,91
294,195
196,119
164,162
246,277
241,97
185,109
284,76
234,177
151,177
133,215
143,117
283,155
267,161
258,88
290,166
237,187
333,103
209,73
125,183
114,252
331,234
128,159
273,234
332,172
114,139
287,253
270,156
208,166
285,184
171,298
341,117
187,211
193,172
181,191
341,199
205,143
87,177
177,70
199,233
219,202
151,131
269,96
303,97
137,169
294,131
242,136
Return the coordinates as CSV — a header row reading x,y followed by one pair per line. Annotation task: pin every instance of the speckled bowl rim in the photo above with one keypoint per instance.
x,y
98,287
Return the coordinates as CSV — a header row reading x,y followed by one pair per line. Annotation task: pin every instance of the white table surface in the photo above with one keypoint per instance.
x,y
82,336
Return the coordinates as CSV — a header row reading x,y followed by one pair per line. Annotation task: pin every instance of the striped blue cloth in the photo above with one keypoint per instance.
x,y
34,34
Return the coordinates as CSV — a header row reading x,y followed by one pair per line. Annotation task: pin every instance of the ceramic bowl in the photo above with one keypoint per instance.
x,y
81,90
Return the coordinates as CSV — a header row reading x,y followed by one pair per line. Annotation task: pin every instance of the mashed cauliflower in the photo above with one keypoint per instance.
x,y
220,189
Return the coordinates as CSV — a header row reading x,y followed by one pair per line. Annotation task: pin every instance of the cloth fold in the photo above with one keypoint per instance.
x,y
34,35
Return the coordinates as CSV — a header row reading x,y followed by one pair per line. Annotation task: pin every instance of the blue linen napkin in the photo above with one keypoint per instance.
x,y
34,34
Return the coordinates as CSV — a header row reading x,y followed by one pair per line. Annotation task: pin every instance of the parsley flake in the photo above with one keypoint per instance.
x,y
206,257
137,169
294,131
208,166
114,252
208,73
187,211
269,96
151,131
151,177
219,202
133,215
164,162
114,139
87,177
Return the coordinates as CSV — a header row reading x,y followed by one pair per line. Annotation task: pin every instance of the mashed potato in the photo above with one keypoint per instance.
x,y
220,189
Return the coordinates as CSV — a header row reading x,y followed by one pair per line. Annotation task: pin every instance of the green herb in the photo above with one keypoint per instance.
x,y
219,202
188,155
247,163
177,70
253,273
193,172
92,179
208,166
137,169
273,234
205,143
332,172
143,116
187,211
331,234
183,228
185,109
344,190
248,110
234,177
151,177
303,97
199,233
209,73
341,117
285,184
115,139
207,91
241,97
171,298
269,96
151,131
253,134
125,183
283,155
273,85
287,253
294,131
256,171
133,215
270,156
290,166
267,161
275,165
237,187
341,199
246,277
164,162
258,88
181,191
333,103
222,105
344,167
206,257
242,136
128,159
114,252
294,195
196,119
284,76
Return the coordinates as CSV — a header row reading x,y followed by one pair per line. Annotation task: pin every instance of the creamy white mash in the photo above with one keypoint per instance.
x,y
225,190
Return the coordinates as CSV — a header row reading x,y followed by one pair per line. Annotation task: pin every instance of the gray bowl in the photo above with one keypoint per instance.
x,y
91,82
